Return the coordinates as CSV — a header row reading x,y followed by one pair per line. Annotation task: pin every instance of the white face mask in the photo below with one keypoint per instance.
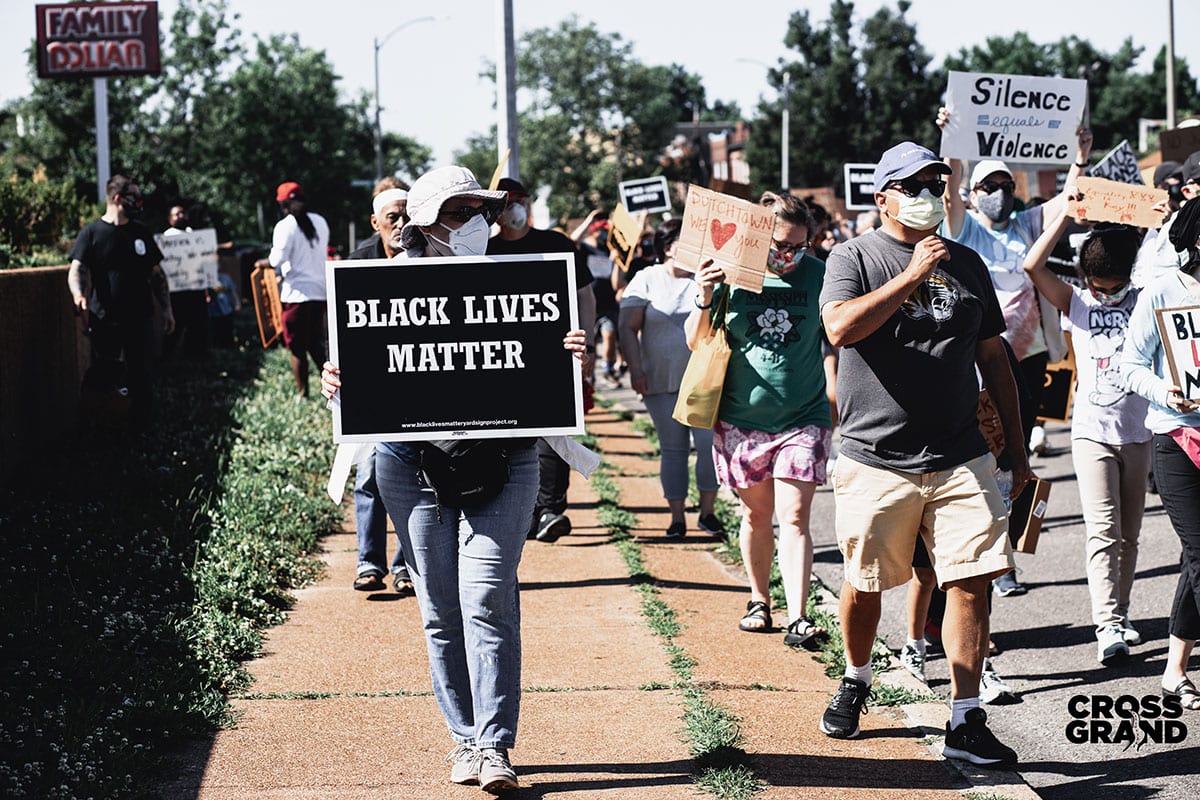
x,y
469,240
922,213
514,216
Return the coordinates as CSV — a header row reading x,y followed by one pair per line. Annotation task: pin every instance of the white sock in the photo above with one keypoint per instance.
x,y
862,673
959,709
918,645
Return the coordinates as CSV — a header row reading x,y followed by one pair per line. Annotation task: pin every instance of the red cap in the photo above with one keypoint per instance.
x,y
287,191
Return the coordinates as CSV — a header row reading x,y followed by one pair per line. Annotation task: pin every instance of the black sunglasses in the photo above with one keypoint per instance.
x,y
467,213
788,250
987,187
913,186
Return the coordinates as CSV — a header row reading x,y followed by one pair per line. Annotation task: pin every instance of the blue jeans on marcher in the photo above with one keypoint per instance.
x,y
370,520
464,572
674,446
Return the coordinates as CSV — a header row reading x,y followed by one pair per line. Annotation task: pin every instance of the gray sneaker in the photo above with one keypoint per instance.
x,y
1110,644
1129,633
914,661
465,759
496,774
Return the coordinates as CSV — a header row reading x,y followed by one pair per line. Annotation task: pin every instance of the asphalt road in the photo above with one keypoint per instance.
x,y
1048,651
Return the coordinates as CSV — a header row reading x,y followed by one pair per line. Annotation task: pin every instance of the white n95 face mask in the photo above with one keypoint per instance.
x,y
469,240
922,213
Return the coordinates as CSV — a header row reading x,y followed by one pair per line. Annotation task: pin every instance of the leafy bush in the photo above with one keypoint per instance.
x,y
138,572
41,214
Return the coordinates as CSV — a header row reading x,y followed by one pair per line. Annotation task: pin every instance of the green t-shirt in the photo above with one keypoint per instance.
x,y
775,381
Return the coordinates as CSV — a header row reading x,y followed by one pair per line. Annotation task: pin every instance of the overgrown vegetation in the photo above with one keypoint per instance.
x,y
138,571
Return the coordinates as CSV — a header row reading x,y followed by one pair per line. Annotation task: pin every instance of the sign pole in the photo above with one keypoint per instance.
x,y
103,169
506,91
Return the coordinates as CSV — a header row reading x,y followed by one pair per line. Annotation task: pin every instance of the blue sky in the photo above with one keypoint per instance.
x,y
431,89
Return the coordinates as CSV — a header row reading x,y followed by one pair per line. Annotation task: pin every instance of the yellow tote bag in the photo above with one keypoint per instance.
x,y
700,390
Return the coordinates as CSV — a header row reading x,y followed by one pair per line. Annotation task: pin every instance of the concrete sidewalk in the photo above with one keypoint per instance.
x,y
341,707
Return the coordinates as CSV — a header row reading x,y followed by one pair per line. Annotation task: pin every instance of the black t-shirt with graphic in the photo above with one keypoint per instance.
x,y
908,394
119,259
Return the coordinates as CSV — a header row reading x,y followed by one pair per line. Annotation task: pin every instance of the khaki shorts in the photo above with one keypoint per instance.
x,y
958,512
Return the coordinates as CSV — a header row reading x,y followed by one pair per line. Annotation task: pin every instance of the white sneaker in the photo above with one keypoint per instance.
x,y
1129,633
465,759
1037,440
913,661
992,688
496,774
1110,644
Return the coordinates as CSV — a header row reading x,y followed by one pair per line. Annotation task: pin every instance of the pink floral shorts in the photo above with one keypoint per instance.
x,y
745,458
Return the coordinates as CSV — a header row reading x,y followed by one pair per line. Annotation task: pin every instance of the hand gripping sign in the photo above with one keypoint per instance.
x,y
1016,118
735,234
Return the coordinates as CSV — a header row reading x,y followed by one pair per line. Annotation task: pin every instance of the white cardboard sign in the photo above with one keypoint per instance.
x,y
1180,332
1020,119
189,259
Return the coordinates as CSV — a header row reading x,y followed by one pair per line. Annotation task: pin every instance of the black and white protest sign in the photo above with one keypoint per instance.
x,y
189,259
1180,332
1018,118
647,194
440,348
1120,164
860,186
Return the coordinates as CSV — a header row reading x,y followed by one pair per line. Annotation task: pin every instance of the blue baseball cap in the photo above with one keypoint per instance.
x,y
905,160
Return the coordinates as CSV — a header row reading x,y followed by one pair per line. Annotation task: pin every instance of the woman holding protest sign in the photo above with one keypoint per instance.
x,y
773,432
463,542
654,307
1175,423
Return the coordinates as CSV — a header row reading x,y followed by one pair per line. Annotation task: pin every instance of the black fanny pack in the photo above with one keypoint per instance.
x,y
464,473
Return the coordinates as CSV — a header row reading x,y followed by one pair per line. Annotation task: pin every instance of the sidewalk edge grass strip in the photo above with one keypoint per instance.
x,y
712,733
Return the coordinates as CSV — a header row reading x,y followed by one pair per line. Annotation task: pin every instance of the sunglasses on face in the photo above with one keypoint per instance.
x,y
467,213
788,250
913,186
987,187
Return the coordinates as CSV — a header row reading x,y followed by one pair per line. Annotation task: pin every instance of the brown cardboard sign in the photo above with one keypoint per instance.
x,y
989,423
734,234
624,235
1180,332
1101,200
1028,512
1179,143
264,285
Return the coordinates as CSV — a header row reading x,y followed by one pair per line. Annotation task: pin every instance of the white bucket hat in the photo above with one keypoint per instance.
x,y
434,188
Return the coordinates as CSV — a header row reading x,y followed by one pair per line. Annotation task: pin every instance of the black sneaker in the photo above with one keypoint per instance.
x,y
841,718
972,741
710,524
677,530
551,527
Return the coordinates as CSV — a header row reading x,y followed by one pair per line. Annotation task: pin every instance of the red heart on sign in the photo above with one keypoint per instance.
x,y
722,233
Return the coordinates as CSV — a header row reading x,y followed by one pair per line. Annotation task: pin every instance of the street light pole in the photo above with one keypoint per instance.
x,y
783,147
379,43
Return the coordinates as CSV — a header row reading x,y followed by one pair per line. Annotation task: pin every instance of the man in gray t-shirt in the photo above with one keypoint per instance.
x,y
915,315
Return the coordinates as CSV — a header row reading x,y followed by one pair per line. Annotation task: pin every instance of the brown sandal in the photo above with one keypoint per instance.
x,y
756,611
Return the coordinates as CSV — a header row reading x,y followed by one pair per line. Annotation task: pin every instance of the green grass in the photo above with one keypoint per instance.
x,y
885,695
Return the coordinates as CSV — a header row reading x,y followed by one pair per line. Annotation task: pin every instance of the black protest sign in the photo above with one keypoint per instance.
x,y
1058,392
647,194
439,348
860,186
1119,165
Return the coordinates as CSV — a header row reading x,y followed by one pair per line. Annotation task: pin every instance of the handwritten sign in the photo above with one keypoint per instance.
x,y
860,186
624,235
1101,200
189,259
440,348
1180,332
735,234
1120,164
1018,118
264,285
989,423
647,194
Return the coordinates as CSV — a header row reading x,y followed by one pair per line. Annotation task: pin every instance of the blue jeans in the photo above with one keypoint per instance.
x,y
370,520
674,446
464,572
